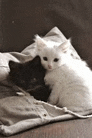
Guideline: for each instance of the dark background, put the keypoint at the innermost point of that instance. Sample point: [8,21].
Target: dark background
[21,20]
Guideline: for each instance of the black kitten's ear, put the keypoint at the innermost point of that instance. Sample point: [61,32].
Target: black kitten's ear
[37,60]
[13,64]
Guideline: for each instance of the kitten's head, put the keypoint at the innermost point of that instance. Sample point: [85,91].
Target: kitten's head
[24,74]
[52,54]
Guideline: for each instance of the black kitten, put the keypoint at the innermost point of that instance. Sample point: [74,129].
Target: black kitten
[30,77]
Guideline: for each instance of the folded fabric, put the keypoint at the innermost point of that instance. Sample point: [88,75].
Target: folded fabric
[19,113]
[22,112]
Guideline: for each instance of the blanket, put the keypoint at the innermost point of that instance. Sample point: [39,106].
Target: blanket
[18,110]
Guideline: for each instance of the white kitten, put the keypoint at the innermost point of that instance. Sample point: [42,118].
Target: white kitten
[70,79]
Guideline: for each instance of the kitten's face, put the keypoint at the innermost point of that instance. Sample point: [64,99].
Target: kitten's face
[24,74]
[52,55]
[50,59]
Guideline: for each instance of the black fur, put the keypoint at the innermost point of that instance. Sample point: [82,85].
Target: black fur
[30,77]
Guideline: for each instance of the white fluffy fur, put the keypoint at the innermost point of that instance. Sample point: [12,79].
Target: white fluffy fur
[70,79]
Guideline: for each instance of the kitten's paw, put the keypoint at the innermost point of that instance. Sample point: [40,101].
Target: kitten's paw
[4,130]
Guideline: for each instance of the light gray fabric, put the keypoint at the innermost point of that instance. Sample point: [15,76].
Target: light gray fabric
[22,112]
[19,113]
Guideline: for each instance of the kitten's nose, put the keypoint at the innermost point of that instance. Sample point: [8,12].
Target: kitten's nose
[49,66]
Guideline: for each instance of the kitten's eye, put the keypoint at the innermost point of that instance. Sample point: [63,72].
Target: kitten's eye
[56,60]
[45,58]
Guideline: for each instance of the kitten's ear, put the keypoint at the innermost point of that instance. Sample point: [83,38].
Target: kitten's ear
[40,42]
[65,45]
[13,65]
[36,60]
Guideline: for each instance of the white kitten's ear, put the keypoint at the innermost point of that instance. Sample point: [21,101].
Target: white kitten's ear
[65,45]
[40,42]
